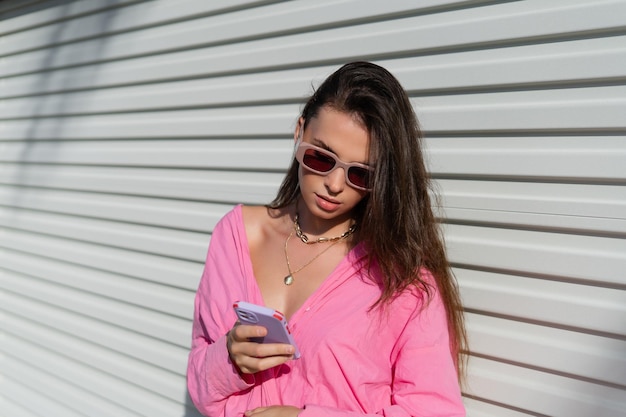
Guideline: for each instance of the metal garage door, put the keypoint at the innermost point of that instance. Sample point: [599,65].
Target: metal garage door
[128,128]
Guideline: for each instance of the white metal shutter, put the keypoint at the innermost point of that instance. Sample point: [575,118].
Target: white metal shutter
[128,128]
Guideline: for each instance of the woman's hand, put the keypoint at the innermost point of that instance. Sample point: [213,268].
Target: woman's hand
[251,357]
[274,411]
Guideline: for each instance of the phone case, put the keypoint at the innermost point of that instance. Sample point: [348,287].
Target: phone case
[274,321]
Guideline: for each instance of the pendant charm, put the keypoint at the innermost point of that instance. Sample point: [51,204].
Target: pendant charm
[288,280]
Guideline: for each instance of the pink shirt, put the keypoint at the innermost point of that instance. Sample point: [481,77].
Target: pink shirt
[355,362]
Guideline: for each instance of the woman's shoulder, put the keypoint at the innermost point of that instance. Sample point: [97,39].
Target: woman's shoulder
[230,219]
[260,221]
[254,218]
[420,295]
[253,214]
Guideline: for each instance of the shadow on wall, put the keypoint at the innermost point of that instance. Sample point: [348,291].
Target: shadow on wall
[39,132]
[42,134]
[40,126]
[190,409]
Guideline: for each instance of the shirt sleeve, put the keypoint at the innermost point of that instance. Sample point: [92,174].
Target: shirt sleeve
[425,382]
[212,379]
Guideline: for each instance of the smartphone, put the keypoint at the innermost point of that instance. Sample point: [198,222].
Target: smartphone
[274,321]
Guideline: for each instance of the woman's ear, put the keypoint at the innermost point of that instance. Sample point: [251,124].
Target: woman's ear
[299,132]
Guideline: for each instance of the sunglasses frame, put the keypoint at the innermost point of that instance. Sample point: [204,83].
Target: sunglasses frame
[303,147]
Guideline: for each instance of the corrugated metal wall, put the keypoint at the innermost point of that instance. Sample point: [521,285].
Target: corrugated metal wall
[129,127]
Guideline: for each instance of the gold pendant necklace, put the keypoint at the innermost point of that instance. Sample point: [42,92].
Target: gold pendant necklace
[288,280]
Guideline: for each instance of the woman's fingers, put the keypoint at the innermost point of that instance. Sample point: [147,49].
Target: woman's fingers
[251,364]
[251,357]
[244,332]
[274,411]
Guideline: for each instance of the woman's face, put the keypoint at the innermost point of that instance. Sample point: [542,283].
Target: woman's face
[330,196]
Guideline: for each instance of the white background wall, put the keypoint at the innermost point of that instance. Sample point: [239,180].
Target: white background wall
[128,128]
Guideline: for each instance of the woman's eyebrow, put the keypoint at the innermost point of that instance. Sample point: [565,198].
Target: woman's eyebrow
[322,144]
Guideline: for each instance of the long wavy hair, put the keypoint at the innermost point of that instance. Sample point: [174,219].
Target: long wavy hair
[395,220]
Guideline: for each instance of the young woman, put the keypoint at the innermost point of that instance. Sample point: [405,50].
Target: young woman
[351,253]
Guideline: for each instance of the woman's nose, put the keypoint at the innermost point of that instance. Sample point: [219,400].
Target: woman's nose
[336,180]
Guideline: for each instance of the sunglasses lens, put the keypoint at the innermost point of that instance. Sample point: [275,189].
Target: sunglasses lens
[318,161]
[359,177]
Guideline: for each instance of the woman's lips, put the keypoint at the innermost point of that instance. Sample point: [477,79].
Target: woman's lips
[327,204]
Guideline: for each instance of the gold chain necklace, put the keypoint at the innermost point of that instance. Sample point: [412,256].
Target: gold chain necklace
[288,280]
[305,239]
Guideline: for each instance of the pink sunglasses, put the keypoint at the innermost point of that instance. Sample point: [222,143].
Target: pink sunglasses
[323,162]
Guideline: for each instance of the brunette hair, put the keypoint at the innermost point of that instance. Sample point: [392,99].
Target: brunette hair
[395,220]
